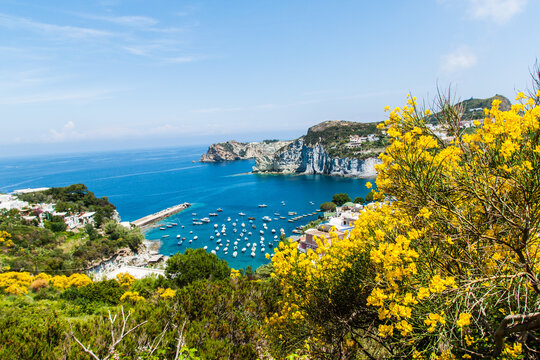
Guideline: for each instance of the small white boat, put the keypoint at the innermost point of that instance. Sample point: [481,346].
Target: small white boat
[205,220]
[266,218]
[178,236]
[206,247]
[244,250]
[213,252]
[195,237]
[191,231]
[165,236]
[234,254]
[241,214]
[228,219]
[262,205]
[262,232]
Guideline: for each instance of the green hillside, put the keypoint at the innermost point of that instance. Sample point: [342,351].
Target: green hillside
[334,136]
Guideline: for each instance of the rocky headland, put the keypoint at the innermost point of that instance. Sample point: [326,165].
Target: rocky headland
[342,148]
[234,150]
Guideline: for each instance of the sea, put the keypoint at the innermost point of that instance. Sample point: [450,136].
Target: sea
[142,182]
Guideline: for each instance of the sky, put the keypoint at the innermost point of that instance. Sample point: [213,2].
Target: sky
[79,76]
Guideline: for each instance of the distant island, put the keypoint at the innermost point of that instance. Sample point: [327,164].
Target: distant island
[335,147]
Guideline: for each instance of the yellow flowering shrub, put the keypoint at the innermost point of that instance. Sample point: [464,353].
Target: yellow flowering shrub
[125,279]
[131,296]
[15,283]
[423,274]
[78,280]
[167,293]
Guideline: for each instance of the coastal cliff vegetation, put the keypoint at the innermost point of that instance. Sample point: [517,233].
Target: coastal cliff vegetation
[51,247]
[445,265]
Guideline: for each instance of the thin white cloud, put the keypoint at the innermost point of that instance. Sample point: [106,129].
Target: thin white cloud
[499,11]
[460,59]
[182,59]
[69,132]
[66,31]
[55,97]
[134,21]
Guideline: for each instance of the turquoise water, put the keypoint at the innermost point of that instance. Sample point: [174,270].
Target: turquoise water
[142,182]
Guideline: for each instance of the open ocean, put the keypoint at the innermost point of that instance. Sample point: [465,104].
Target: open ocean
[142,182]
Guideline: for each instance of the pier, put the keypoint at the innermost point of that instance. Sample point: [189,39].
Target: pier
[149,219]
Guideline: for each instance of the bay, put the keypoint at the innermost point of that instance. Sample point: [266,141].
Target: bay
[142,182]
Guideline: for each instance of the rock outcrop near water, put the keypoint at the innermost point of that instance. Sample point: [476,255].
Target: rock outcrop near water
[325,149]
[300,158]
[234,150]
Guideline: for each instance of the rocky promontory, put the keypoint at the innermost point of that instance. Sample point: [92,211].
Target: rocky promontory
[234,150]
[342,148]
[300,158]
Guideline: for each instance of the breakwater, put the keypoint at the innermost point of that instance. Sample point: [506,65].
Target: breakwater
[150,219]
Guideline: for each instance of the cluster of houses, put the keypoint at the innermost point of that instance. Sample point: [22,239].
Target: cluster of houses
[341,221]
[41,212]
[356,140]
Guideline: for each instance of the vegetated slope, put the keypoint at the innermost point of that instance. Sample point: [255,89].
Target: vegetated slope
[335,136]
[474,108]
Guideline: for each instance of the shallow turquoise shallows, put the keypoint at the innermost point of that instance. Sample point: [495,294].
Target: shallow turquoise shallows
[145,181]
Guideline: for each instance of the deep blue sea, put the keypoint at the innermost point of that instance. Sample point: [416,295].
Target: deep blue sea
[142,182]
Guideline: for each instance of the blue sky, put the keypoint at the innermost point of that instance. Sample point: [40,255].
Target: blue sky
[98,75]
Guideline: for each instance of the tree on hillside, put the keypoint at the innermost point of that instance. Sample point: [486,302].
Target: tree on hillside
[358,200]
[449,268]
[328,206]
[196,264]
[340,199]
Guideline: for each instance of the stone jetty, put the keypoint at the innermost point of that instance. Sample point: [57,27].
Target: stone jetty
[149,219]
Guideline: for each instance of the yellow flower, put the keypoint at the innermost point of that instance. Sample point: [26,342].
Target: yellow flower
[369,185]
[464,320]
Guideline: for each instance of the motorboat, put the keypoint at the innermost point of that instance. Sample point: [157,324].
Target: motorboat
[262,205]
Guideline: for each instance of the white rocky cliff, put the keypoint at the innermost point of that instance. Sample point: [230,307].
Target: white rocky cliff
[301,158]
[234,150]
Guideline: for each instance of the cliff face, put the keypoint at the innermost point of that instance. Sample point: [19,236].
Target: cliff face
[298,157]
[234,150]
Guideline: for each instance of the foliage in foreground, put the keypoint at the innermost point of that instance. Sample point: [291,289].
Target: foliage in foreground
[137,319]
[447,268]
